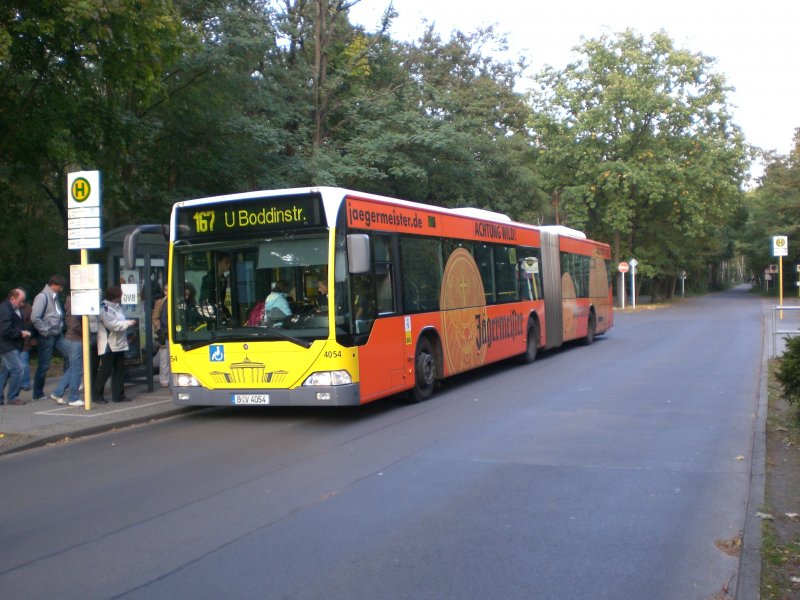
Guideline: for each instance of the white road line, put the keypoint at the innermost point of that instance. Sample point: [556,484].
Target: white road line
[59,412]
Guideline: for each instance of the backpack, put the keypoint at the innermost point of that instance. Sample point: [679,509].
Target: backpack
[256,315]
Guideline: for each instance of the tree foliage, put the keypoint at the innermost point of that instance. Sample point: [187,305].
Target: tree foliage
[637,145]
[773,208]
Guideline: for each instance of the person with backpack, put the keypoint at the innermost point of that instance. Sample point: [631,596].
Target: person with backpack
[47,316]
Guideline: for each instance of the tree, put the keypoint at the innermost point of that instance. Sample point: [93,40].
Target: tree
[637,146]
[774,209]
[439,121]
[75,80]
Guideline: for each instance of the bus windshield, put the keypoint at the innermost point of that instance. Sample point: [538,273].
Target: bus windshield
[268,288]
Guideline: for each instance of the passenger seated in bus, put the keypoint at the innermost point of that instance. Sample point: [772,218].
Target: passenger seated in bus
[322,296]
[276,306]
[215,287]
[193,318]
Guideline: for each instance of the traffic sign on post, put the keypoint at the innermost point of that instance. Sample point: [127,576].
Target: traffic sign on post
[780,245]
[83,210]
[84,233]
[633,263]
[623,267]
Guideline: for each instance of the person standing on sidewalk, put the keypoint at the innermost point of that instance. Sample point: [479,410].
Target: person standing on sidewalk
[47,317]
[160,329]
[112,343]
[12,336]
[73,340]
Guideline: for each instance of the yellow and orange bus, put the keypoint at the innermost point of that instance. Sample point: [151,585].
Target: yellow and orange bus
[326,296]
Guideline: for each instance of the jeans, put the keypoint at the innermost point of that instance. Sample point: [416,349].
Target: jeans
[72,376]
[111,364]
[25,355]
[46,346]
[11,369]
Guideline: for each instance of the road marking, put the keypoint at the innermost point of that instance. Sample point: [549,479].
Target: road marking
[59,412]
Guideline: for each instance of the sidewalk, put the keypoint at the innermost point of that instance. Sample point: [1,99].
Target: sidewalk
[45,422]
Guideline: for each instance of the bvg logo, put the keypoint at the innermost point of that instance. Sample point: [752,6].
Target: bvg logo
[216,353]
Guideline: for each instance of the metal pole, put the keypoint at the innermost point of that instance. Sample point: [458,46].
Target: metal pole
[148,325]
[633,286]
[622,277]
[780,279]
[87,376]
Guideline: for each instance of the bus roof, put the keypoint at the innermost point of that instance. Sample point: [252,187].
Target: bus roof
[334,196]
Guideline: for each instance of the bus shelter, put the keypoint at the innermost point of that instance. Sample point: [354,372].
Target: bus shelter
[148,272]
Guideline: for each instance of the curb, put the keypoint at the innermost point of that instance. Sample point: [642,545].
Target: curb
[748,582]
[95,429]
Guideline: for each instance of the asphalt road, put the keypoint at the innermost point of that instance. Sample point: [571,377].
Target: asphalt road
[606,471]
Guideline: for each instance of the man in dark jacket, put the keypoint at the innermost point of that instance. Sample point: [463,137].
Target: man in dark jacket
[12,336]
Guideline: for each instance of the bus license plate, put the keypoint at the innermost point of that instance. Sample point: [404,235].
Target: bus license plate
[250,398]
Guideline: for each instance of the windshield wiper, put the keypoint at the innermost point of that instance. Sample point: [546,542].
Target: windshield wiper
[216,336]
[304,343]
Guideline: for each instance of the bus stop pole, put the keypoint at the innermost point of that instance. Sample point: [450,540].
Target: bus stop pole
[148,324]
[87,348]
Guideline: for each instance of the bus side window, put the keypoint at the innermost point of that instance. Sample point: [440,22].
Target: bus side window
[530,282]
[382,261]
[421,266]
[505,269]
[483,258]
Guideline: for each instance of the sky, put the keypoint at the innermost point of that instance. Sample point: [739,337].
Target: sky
[754,43]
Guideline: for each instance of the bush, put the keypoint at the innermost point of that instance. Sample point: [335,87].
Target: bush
[789,371]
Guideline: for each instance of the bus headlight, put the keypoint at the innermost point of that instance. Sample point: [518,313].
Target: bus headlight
[184,380]
[328,378]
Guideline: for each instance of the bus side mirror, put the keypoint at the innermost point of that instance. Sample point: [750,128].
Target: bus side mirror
[358,256]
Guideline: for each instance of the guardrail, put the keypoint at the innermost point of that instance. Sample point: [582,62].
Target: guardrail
[776,331]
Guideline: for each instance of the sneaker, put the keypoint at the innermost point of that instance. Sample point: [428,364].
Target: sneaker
[37,398]
[56,399]
[76,403]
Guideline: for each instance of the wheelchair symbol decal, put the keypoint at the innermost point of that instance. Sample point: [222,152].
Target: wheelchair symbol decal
[216,353]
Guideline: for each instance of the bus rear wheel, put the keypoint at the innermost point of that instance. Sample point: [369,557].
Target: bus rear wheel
[591,330]
[424,371]
[532,345]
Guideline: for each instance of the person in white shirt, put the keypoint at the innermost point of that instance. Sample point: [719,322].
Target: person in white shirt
[112,343]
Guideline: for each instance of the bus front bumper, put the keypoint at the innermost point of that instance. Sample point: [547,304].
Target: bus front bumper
[339,395]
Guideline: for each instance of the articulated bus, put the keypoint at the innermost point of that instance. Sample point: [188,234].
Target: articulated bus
[366,296]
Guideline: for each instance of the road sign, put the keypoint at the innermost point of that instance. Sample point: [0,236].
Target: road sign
[633,263]
[83,189]
[780,245]
[623,267]
[83,210]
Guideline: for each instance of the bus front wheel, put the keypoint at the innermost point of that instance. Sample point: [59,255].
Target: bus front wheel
[424,371]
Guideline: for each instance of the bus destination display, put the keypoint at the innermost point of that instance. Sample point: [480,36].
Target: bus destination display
[248,217]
